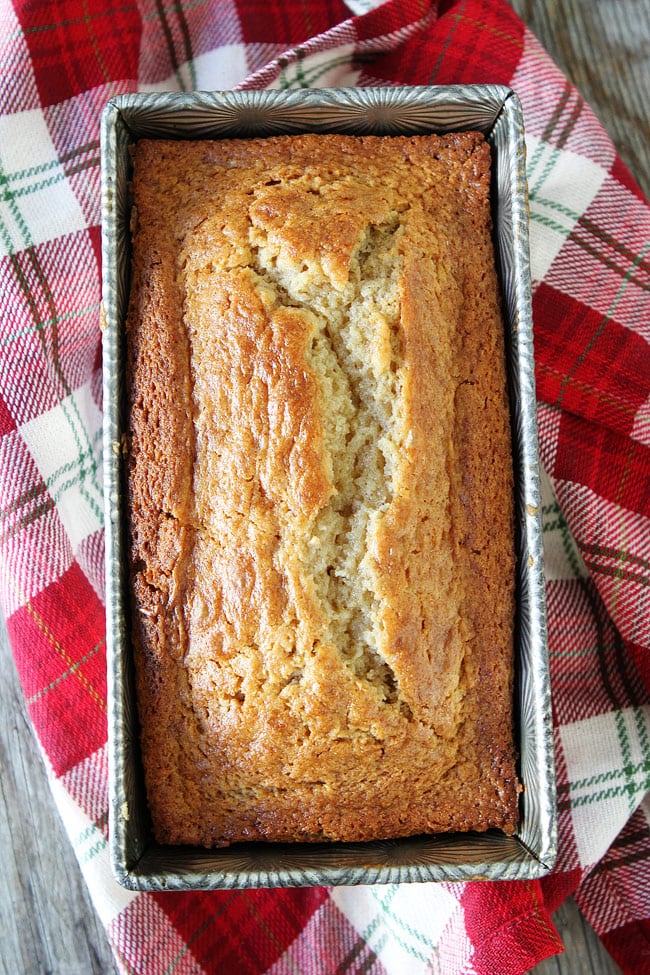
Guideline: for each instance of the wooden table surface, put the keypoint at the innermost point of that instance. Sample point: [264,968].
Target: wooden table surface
[47,922]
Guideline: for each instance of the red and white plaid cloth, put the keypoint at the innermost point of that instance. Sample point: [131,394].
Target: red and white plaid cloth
[590,239]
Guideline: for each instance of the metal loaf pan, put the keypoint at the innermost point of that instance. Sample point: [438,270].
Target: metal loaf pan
[138,862]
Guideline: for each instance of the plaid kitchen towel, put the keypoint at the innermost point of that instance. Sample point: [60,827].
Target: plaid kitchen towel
[590,240]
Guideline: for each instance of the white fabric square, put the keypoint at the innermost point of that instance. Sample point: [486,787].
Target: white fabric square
[605,761]
[323,69]
[65,443]
[561,187]
[38,203]
[562,558]
[25,144]
[91,849]
[171,83]
[393,920]
[222,69]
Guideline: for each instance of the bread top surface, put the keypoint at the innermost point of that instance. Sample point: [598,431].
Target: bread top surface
[320,488]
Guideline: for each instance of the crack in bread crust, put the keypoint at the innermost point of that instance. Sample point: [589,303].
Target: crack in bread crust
[361,435]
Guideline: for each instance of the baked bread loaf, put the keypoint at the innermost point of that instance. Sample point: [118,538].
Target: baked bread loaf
[320,490]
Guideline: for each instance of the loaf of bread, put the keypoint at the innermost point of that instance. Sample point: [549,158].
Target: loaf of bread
[320,490]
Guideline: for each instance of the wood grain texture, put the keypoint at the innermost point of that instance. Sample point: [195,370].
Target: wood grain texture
[47,923]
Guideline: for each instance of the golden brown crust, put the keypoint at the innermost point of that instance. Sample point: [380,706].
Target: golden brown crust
[320,490]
